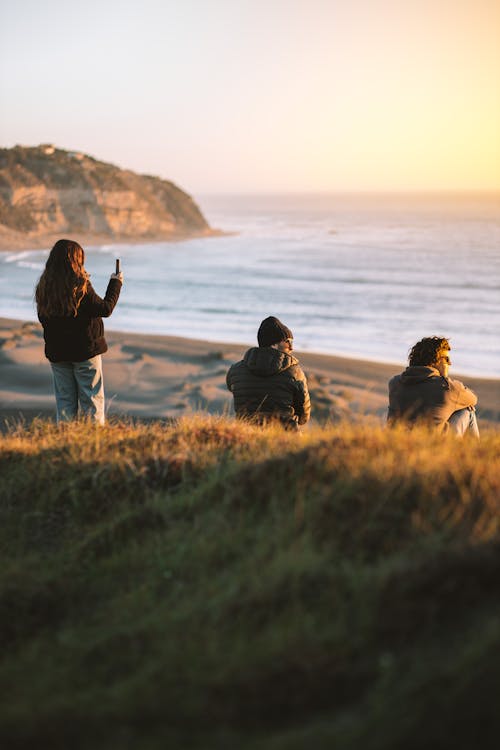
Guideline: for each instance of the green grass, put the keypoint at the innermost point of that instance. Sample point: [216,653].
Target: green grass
[214,585]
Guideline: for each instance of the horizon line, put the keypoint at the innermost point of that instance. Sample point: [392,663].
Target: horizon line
[355,192]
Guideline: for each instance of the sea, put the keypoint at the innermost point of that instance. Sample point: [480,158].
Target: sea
[362,276]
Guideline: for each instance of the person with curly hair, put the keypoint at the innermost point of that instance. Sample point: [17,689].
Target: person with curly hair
[424,392]
[71,315]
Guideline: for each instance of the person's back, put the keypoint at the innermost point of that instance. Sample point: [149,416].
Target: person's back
[80,336]
[268,383]
[71,314]
[424,393]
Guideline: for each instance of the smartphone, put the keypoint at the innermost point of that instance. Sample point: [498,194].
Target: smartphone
[117,266]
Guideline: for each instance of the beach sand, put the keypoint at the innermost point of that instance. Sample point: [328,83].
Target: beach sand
[148,377]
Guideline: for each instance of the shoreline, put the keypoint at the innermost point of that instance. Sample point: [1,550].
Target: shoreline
[154,376]
[11,242]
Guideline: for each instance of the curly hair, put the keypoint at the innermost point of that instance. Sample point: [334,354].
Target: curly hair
[64,282]
[428,350]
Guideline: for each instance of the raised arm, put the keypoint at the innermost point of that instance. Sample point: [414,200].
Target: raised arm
[95,306]
[461,397]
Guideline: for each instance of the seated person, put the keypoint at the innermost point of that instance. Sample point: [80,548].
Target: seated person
[268,383]
[424,392]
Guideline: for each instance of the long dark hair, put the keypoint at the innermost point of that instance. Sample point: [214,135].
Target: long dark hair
[64,282]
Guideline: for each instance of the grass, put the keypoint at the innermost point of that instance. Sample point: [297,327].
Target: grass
[210,584]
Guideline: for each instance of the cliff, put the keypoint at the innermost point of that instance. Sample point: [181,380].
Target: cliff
[47,193]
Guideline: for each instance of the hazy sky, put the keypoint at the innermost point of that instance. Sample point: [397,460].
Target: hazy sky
[261,95]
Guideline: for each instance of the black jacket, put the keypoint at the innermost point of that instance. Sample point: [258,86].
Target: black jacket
[74,339]
[268,384]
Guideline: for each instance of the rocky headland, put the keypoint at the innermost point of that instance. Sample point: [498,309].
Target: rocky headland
[47,193]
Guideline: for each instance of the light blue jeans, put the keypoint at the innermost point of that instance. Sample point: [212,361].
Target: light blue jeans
[79,383]
[464,422]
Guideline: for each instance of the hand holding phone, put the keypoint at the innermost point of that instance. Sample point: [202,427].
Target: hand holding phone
[117,274]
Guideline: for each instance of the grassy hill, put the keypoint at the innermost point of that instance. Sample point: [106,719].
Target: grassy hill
[209,584]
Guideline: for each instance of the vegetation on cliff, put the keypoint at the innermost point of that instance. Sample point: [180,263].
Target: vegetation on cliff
[45,190]
[209,584]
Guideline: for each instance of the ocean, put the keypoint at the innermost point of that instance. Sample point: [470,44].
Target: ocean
[355,275]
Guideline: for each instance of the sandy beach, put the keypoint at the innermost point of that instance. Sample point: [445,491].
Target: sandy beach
[148,376]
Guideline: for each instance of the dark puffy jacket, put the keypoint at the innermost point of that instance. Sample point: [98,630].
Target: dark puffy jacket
[421,393]
[75,339]
[269,384]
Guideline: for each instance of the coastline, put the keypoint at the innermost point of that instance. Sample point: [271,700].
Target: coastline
[151,376]
[16,241]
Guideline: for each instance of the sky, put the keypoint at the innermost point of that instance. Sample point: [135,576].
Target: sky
[247,96]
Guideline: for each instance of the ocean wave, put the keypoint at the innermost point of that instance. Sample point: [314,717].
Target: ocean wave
[372,291]
[29,264]
[21,255]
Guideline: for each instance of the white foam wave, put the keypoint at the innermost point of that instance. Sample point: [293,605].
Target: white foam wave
[19,256]
[29,264]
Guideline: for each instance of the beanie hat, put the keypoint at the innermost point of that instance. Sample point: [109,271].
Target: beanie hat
[272,331]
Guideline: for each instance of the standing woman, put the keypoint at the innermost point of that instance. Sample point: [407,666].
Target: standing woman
[71,315]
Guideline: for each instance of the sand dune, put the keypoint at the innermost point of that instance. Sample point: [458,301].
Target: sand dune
[166,376]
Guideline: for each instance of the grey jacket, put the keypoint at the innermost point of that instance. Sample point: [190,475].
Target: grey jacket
[422,394]
[269,384]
